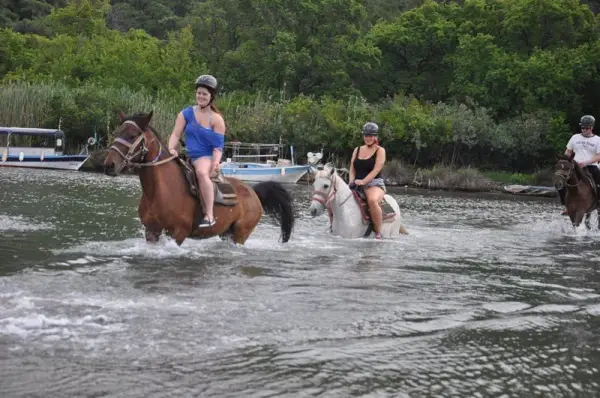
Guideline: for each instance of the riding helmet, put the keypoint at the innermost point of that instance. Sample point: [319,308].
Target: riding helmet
[207,81]
[370,128]
[587,121]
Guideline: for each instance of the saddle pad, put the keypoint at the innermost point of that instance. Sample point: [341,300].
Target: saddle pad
[386,209]
[225,193]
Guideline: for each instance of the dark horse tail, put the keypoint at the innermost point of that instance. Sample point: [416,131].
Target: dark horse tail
[277,201]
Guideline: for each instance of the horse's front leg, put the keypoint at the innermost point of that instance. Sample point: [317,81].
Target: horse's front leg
[152,236]
[152,232]
[576,218]
[587,221]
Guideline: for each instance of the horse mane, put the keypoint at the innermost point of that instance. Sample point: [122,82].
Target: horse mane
[325,171]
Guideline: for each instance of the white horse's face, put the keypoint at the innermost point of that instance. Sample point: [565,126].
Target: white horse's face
[322,191]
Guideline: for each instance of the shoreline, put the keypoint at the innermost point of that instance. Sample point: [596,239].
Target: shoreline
[400,178]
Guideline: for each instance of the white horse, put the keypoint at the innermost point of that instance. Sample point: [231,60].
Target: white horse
[346,215]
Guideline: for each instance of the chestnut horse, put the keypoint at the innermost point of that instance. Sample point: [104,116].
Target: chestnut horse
[580,189]
[170,199]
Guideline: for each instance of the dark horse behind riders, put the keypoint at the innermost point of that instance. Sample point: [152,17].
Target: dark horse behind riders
[576,188]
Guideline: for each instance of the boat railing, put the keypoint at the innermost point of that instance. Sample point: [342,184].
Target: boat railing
[31,151]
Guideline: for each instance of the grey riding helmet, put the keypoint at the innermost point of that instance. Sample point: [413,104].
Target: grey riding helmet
[370,129]
[587,121]
[209,82]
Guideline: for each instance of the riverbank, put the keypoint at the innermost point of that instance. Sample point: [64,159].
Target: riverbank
[400,174]
[467,179]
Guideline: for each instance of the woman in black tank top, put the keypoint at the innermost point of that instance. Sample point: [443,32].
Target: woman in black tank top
[365,171]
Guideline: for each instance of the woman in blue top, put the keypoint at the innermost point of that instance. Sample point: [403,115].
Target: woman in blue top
[365,171]
[204,129]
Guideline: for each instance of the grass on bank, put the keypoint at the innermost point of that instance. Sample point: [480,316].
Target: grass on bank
[462,179]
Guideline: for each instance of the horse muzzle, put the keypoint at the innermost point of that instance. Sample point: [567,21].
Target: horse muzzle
[314,210]
[112,169]
[559,181]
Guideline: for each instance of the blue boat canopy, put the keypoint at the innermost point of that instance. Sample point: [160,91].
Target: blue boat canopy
[32,131]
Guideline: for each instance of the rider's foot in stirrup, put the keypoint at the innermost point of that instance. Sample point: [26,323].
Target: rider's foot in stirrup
[206,223]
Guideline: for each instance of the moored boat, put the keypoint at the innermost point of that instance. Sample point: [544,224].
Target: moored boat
[18,149]
[253,162]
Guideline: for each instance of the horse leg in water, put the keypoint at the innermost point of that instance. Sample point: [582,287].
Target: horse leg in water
[587,221]
[151,236]
[577,218]
[152,231]
[244,226]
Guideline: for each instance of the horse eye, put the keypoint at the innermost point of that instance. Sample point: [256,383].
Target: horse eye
[326,186]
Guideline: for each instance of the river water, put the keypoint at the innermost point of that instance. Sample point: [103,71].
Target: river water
[487,297]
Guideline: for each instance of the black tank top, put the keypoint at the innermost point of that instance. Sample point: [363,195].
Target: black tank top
[362,167]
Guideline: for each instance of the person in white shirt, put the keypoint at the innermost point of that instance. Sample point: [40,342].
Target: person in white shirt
[586,146]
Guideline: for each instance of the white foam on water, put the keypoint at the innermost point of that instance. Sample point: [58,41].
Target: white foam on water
[37,324]
[22,224]
[505,307]
[593,309]
[27,316]
[553,308]
[138,247]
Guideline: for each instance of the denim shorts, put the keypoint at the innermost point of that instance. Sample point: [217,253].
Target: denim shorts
[193,159]
[376,182]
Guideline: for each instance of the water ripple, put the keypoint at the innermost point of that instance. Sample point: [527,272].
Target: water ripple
[487,296]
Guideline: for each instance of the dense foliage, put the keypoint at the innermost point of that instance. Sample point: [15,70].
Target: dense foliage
[488,83]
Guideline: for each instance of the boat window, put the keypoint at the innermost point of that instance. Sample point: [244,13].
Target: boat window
[3,140]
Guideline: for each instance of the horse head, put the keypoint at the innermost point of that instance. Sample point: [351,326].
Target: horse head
[323,189]
[130,145]
[564,169]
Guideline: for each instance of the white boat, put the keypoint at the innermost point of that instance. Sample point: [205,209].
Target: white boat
[253,162]
[37,148]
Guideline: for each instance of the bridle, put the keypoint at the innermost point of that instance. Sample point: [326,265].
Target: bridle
[564,175]
[138,147]
[326,198]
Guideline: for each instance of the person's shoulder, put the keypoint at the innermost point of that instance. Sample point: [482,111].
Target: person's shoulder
[218,116]
[380,148]
[186,110]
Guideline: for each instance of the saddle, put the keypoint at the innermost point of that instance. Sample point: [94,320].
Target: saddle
[386,209]
[590,180]
[225,194]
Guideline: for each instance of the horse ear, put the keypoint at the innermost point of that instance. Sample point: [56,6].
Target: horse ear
[150,115]
[331,171]
[572,156]
[122,116]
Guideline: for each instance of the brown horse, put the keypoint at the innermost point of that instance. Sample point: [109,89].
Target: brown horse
[170,199]
[579,189]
